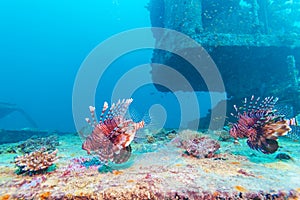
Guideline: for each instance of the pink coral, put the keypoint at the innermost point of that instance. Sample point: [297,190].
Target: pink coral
[201,147]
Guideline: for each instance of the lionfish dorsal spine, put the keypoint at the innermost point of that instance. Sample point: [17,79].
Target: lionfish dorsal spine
[254,105]
[122,107]
[245,104]
[88,121]
[237,112]
[264,104]
[250,106]
[105,107]
[236,109]
[110,112]
[92,122]
[271,103]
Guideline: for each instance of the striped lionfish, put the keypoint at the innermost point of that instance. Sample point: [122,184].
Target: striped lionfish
[258,121]
[112,135]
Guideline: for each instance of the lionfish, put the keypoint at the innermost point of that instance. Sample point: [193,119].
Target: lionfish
[112,135]
[258,121]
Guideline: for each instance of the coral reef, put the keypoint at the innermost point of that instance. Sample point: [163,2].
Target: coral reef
[12,136]
[162,135]
[111,137]
[150,138]
[196,145]
[35,162]
[155,136]
[223,135]
[202,147]
[162,174]
[91,162]
[35,143]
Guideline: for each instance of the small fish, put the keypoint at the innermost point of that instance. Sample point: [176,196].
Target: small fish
[112,135]
[261,124]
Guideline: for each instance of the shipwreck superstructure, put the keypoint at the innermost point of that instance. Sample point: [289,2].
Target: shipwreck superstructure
[254,43]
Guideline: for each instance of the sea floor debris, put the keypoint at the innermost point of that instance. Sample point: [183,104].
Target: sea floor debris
[166,173]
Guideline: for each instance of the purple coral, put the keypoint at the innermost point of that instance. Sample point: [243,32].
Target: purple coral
[201,147]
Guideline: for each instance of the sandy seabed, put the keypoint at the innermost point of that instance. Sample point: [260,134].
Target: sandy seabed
[236,172]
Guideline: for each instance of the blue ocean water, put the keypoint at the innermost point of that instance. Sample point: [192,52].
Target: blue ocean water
[42,46]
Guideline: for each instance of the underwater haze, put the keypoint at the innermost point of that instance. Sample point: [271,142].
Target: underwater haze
[42,45]
[150,99]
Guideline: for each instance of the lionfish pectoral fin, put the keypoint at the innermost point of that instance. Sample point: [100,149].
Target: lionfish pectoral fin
[266,146]
[269,146]
[253,145]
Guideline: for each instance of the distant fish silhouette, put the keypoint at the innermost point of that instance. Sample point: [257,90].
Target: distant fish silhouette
[7,108]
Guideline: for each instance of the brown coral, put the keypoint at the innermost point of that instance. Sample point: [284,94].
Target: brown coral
[196,144]
[201,147]
[36,161]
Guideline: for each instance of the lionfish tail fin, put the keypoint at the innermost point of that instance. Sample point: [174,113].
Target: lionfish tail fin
[294,123]
[92,122]
[294,134]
